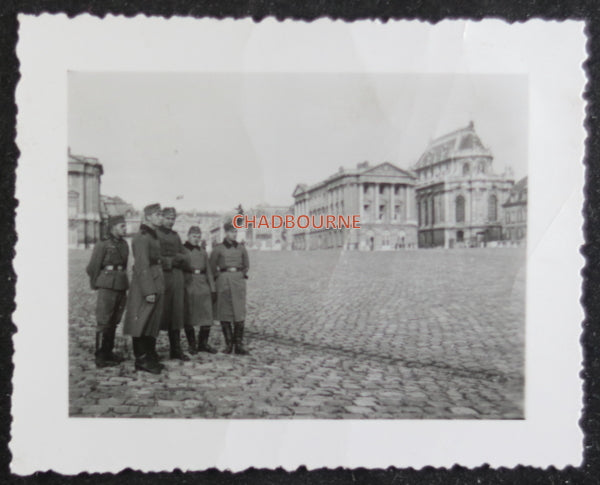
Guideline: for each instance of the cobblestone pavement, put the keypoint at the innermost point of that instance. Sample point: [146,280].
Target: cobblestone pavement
[427,334]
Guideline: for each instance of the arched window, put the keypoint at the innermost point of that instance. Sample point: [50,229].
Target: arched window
[492,208]
[460,209]
[466,169]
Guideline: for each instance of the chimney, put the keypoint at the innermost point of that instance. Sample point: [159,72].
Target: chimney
[361,165]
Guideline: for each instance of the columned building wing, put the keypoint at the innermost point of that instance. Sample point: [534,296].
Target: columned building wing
[383,198]
[458,196]
[84,200]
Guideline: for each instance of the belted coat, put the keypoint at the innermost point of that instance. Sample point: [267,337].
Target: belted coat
[231,285]
[174,260]
[199,286]
[143,318]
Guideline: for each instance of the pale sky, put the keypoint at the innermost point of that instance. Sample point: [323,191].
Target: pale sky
[228,138]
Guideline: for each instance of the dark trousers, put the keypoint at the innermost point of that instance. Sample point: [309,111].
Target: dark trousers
[110,306]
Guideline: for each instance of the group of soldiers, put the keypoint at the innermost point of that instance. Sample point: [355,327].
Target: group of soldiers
[174,287]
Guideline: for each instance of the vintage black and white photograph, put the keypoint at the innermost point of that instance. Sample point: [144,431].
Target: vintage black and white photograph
[415,311]
[322,244]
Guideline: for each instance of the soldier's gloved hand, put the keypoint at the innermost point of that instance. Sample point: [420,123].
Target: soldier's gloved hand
[178,260]
[151,298]
[213,296]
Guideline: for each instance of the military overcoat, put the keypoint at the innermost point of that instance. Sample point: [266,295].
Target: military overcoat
[199,286]
[174,261]
[231,285]
[143,318]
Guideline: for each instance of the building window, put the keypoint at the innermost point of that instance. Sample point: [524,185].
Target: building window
[493,208]
[460,209]
[426,211]
[460,236]
[466,169]
[397,211]
[73,203]
[381,212]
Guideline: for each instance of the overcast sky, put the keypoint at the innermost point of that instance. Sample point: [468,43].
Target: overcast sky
[223,139]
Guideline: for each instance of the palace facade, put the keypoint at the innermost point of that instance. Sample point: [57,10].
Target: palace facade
[459,196]
[382,195]
[452,197]
[84,200]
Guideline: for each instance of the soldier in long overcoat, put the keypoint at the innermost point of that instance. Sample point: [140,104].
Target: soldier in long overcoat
[144,307]
[200,291]
[107,270]
[230,264]
[174,261]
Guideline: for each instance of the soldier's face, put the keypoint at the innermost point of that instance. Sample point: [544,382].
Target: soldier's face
[231,234]
[120,230]
[168,221]
[155,219]
[194,239]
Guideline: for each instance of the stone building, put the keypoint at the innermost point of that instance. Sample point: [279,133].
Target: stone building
[267,239]
[458,195]
[84,200]
[383,197]
[515,213]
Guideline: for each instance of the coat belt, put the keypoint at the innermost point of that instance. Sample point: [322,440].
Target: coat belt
[113,267]
[232,269]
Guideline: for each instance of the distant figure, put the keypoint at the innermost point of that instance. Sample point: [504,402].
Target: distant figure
[200,292]
[144,307]
[229,263]
[174,261]
[107,270]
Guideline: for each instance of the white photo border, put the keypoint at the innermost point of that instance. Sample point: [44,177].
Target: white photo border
[550,53]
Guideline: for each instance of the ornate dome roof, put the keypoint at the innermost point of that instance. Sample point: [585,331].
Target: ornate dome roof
[460,143]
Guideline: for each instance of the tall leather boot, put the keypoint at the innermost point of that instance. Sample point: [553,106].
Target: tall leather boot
[203,345]
[108,344]
[175,344]
[238,338]
[143,358]
[228,334]
[190,334]
[149,345]
[102,358]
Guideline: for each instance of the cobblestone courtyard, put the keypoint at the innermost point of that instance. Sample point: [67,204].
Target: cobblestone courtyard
[428,334]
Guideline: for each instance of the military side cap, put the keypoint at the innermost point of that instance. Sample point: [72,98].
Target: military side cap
[169,211]
[194,230]
[228,226]
[151,209]
[114,220]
